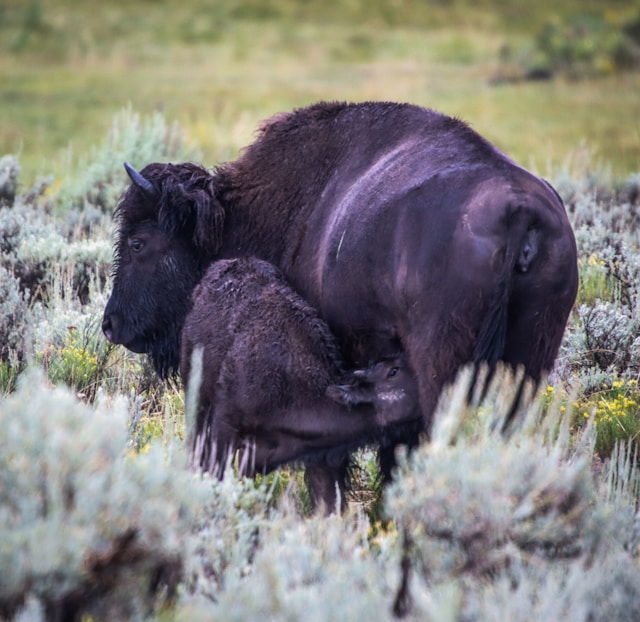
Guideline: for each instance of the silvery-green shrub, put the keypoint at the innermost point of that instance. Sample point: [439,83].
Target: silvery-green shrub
[34,250]
[9,174]
[602,341]
[14,317]
[98,179]
[318,569]
[227,537]
[46,253]
[515,526]
[86,528]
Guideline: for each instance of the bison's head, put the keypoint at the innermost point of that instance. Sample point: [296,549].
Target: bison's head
[169,230]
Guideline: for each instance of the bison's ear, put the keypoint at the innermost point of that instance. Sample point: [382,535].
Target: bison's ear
[193,207]
[353,394]
[209,219]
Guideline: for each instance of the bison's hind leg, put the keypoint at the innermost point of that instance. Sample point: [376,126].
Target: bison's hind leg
[408,434]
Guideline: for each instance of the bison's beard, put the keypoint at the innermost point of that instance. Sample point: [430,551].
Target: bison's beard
[160,343]
[164,352]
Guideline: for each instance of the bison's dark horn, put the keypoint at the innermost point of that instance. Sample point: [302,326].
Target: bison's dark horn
[140,181]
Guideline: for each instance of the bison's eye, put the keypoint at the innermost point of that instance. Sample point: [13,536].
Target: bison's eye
[136,244]
[392,372]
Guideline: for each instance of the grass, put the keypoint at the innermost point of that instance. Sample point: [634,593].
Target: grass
[220,68]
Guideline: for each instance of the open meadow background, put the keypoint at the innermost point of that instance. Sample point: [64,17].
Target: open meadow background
[100,520]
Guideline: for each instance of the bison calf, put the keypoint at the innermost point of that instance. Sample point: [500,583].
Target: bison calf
[272,383]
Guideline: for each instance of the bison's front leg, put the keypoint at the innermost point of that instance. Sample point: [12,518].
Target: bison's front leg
[327,486]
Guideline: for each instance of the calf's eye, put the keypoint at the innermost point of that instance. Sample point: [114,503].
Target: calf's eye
[392,372]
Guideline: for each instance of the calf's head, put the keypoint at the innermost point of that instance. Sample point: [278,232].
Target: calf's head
[169,228]
[389,386]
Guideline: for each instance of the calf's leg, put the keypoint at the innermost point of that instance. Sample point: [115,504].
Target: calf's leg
[327,486]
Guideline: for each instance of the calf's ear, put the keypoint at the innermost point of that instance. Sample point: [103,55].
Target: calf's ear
[353,394]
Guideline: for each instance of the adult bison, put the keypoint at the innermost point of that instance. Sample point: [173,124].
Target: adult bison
[272,382]
[402,226]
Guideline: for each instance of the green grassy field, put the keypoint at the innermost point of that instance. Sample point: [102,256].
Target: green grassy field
[218,68]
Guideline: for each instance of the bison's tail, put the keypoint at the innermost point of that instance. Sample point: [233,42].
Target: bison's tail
[520,251]
[493,332]
[490,347]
